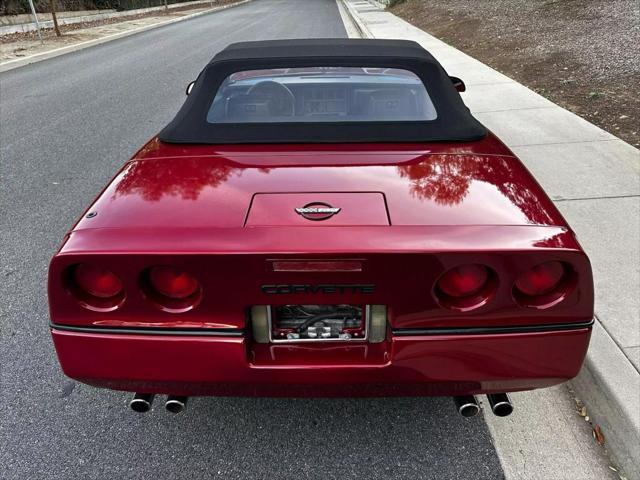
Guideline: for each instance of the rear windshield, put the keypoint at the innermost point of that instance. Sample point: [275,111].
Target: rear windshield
[322,94]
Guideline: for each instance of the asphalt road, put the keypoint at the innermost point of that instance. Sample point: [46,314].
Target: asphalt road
[66,125]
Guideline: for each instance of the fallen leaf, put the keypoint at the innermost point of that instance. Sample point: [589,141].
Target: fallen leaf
[582,411]
[597,434]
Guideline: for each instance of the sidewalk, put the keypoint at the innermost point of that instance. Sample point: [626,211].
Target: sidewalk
[594,179]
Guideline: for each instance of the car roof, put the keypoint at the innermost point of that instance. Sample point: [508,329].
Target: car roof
[323,48]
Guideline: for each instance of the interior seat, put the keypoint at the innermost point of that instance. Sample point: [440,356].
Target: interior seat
[389,103]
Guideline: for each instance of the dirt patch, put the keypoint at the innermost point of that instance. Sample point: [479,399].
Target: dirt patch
[581,54]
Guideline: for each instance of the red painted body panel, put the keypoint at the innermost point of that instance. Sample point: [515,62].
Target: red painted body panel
[421,366]
[410,212]
[169,186]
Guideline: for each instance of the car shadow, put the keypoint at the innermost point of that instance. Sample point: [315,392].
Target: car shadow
[329,438]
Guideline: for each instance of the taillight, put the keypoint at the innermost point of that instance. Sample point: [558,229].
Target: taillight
[96,288]
[541,279]
[171,289]
[97,281]
[172,282]
[464,280]
[544,285]
[465,287]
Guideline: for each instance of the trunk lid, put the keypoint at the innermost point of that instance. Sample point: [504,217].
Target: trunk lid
[188,187]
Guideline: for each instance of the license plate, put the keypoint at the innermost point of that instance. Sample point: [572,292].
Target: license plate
[318,323]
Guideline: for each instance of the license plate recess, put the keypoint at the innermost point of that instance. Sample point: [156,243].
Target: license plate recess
[318,323]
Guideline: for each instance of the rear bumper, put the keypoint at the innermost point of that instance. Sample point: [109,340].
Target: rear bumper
[407,364]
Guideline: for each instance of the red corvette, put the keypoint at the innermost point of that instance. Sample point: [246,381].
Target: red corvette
[322,218]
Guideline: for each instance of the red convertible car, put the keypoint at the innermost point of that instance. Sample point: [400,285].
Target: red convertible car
[322,218]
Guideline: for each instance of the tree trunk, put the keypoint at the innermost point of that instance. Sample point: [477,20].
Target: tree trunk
[55,18]
[166,7]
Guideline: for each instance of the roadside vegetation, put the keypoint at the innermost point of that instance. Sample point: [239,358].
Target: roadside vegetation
[15,7]
[16,45]
[581,54]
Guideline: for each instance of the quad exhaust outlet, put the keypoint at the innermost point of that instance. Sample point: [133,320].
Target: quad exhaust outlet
[141,402]
[500,403]
[175,404]
[467,405]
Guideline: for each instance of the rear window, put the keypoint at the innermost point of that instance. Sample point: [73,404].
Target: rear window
[322,94]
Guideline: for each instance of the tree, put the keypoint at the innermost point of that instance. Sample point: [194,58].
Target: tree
[52,4]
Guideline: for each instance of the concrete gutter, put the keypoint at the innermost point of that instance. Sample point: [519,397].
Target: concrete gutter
[69,18]
[21,62]
[594,179]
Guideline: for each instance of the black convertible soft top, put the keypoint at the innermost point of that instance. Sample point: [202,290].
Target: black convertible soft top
[454,122]
[333,48]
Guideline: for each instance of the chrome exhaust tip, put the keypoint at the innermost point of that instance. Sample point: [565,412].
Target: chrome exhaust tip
[141,402]
[175,404]
[500,403]
[467,405]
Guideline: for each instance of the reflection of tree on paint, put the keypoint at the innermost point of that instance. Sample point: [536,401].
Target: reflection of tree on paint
[446,179]
[447,183]
[184,177]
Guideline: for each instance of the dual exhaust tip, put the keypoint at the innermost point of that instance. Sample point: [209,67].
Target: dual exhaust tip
[500,404]
[141,403]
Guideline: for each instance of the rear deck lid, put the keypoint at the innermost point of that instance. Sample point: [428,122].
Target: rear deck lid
[374,185]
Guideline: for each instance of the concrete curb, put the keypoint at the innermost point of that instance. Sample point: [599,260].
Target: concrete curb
[356,20]
[608,384]
[21,62]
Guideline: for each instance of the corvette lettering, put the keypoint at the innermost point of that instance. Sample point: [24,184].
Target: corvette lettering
[314,289]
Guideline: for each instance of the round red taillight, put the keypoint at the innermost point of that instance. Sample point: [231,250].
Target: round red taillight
[545,285]
[541,279]
[172,282]
[95,288]
[466,287]
[170,289]
[464,280]
[97,281]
